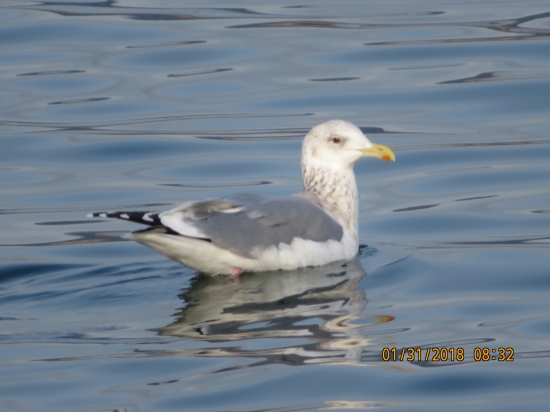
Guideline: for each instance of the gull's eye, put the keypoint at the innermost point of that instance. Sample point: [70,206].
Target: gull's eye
[336,140]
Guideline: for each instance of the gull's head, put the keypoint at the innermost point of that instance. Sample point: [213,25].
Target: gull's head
[340,144]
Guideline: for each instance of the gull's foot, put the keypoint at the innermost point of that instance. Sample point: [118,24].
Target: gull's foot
[236,272]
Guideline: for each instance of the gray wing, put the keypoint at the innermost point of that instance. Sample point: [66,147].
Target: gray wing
[242,222]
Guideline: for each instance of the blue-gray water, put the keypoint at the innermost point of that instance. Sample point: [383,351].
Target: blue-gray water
[143,105]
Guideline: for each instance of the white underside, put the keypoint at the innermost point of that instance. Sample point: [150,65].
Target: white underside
[204,257]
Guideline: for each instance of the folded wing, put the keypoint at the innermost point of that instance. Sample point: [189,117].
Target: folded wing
[245,222]
[242,223]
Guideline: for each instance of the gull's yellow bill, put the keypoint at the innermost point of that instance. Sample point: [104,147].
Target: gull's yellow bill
[379,151]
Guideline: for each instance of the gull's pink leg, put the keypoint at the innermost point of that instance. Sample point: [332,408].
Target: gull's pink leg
[236,272]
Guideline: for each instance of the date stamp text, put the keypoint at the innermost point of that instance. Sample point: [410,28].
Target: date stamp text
[444,354]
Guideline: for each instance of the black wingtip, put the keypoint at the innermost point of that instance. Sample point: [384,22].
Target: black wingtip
[145,218]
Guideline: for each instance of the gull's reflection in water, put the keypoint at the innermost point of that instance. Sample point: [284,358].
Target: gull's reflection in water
[310,315]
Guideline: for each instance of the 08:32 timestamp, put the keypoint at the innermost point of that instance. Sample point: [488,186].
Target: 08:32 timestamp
[446,354]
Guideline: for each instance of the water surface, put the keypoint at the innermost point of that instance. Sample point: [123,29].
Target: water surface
[132,105]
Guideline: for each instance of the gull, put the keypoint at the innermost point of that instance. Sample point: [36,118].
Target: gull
[249,233]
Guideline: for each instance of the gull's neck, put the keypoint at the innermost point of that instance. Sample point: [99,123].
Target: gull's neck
[335,190]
